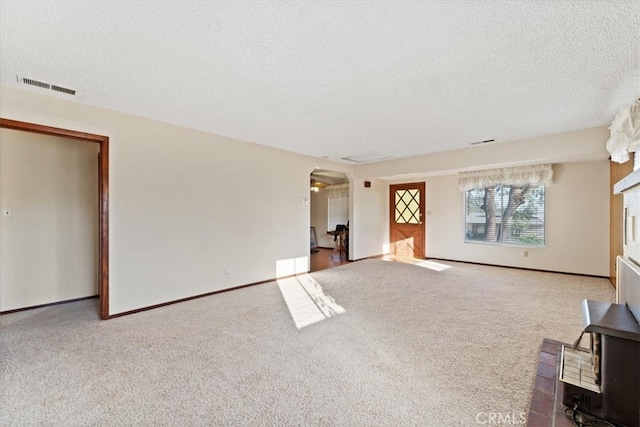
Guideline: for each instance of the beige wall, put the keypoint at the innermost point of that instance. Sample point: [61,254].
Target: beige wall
[186,205]
[576,220]
[48,250]
[580,145]
[577,210]
[577,203]
[369,228]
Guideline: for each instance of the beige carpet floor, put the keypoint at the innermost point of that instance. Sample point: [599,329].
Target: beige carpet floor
[414,347]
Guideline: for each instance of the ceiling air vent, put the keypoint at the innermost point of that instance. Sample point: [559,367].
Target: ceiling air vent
[36,83]
[43,85]
[63,90]
[369,157]
[486,141]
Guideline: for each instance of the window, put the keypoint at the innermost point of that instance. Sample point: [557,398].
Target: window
[407,207]
[338,212]
[509,214]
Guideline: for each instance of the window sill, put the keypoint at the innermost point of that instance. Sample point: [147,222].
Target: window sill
[512,245]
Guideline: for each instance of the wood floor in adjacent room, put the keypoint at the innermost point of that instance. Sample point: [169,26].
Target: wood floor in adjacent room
[326,258]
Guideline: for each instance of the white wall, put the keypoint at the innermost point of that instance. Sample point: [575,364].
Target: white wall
[48,249]
[632,228]
[185,205]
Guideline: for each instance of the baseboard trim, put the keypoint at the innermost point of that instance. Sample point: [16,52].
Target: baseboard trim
[235,288]
[33,307]
[370,257]
[519,268]
[151,307]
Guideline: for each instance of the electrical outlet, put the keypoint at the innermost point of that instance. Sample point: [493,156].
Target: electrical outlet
[526,253]
[227,271]
[6,212]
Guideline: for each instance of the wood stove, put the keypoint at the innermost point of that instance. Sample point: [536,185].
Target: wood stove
[603,380]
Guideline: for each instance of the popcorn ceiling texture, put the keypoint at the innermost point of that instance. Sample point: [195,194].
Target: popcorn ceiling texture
[337,79]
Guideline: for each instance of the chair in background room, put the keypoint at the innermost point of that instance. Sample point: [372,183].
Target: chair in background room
[341,241]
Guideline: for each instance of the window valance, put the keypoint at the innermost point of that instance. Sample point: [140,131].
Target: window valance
[625,133]
[521,175]
[337,191]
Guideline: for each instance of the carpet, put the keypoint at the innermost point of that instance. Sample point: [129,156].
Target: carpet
[413,346]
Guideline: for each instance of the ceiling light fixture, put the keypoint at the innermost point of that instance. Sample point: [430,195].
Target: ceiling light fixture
[316,186]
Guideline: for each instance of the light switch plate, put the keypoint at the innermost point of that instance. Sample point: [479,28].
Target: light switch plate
[6,212]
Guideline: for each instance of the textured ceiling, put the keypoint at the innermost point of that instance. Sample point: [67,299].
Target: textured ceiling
[337,79]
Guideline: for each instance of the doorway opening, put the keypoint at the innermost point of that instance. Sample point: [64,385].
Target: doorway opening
[330,212]
[103,195]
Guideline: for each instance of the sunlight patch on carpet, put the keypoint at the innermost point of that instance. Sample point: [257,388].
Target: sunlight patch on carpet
[431,265]
[306,300]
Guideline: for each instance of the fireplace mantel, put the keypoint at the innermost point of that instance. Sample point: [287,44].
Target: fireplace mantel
[627,182]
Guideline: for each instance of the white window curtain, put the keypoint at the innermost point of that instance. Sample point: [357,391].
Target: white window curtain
[521,175]
[625,133]
[337,191]
[338,213]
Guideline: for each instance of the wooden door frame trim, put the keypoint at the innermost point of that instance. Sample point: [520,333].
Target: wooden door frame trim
[103,197]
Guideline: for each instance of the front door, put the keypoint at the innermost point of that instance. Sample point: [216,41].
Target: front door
[406,202]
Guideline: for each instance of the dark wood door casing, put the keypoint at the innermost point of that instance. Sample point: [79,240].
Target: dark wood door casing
[617,171]
[103,195]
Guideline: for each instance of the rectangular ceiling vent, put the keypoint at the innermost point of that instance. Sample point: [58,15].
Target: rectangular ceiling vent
[36,83]
[486,141]
[63,90]
[365,158]
[43,85]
